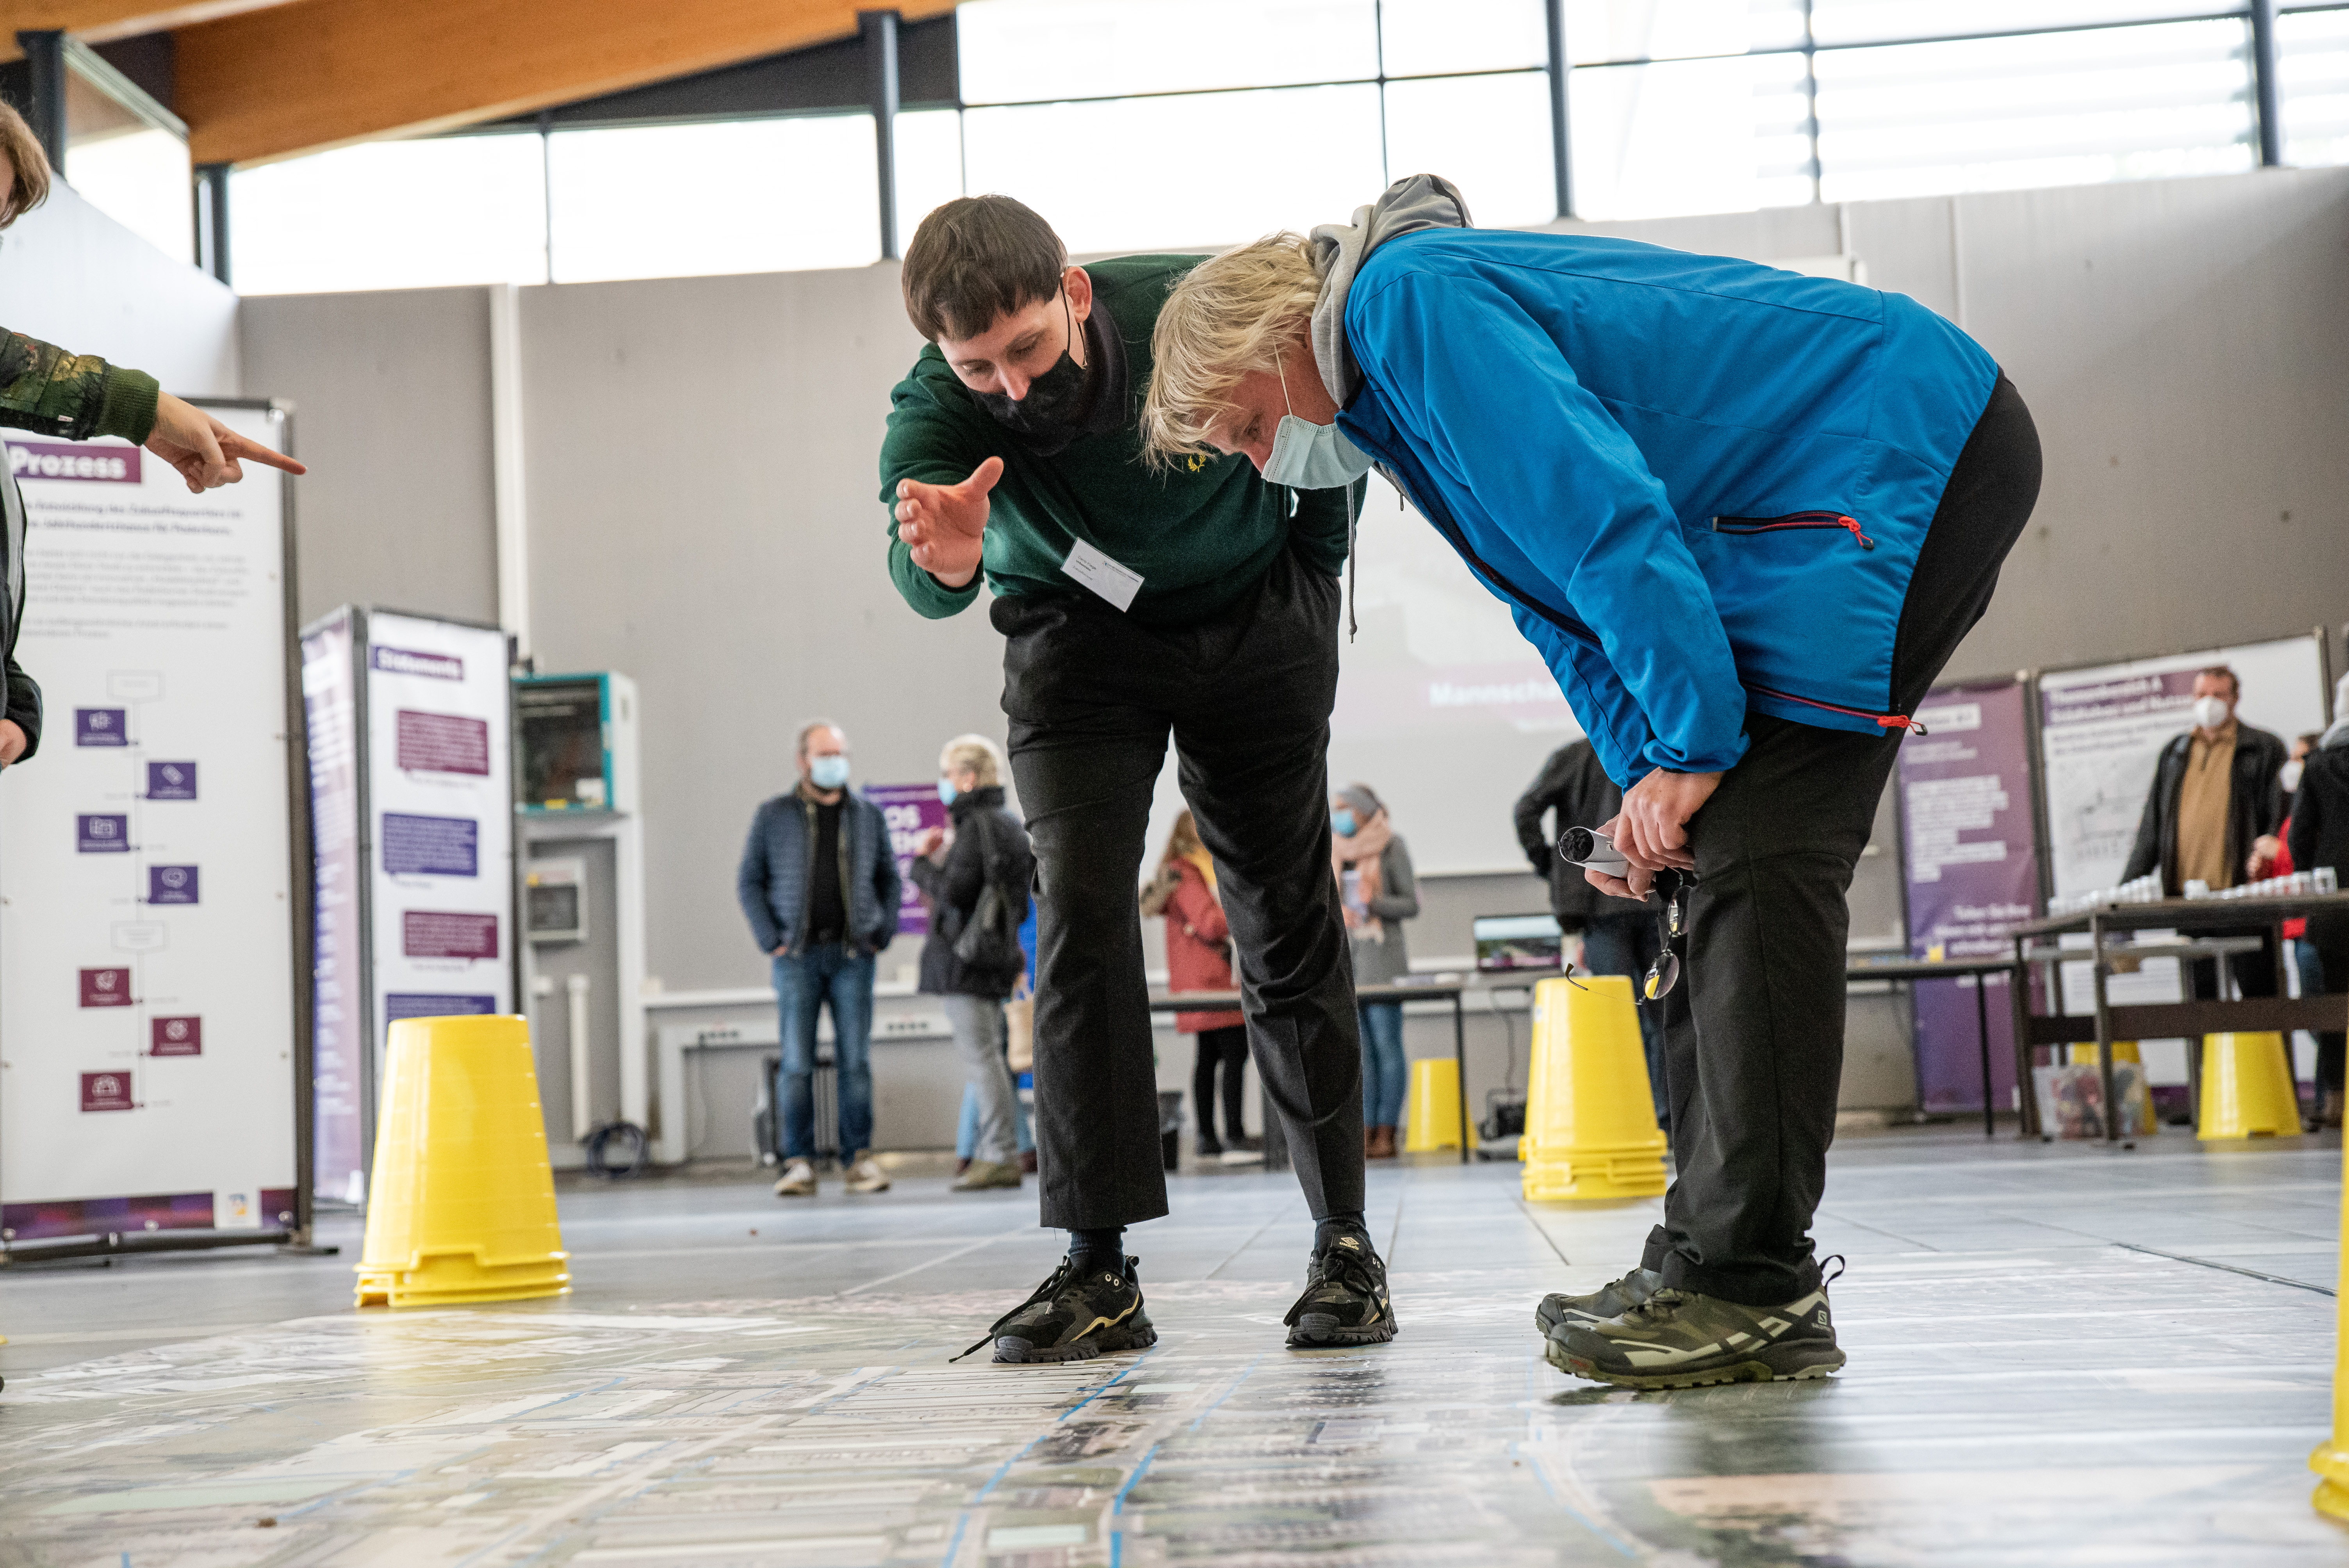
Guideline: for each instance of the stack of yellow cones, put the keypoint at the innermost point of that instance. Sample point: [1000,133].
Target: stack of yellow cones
[2247,1087]
[462,1207]
[1590,1120]
[1431,1119]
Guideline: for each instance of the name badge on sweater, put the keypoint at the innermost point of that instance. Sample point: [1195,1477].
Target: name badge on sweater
[1111,580]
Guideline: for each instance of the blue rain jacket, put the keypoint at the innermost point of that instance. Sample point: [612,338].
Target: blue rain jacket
[1701,484]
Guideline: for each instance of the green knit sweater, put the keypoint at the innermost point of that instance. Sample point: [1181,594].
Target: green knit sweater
[1201,535]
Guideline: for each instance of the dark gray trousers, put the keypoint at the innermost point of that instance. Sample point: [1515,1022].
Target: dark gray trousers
[1093,697]
[1754,1033]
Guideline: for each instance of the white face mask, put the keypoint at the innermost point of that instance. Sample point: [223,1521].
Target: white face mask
[2290,775]
[2210,712]
[1310,457]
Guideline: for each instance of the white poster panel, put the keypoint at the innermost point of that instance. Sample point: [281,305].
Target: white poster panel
[2101,735]
[440,796]
[146,1001]
[2102,731]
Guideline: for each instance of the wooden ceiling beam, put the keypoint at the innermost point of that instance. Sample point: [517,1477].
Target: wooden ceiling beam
[103,21]
[322,73]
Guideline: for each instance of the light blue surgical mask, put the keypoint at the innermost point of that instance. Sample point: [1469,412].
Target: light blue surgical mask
[946,792]
[1343,820]
[1310,457]
[828,772]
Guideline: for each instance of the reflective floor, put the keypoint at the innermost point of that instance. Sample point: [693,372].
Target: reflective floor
[2058,1356]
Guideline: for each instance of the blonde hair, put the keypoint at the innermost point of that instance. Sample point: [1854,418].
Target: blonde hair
[978,753]
[1232,315]
[23,150]
[1181,839]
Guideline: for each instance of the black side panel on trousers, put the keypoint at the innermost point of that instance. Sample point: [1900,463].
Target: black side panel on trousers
[1753,1034]
[1093,697]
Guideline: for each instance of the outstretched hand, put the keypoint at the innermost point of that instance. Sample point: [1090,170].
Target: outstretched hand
[945,526]
[207,453]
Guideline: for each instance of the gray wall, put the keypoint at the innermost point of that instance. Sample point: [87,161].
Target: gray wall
[73,276]
[704,516]
[391,395]
[702,513]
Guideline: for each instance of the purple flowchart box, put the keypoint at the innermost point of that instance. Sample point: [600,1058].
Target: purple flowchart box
[436,933]
[101,834]
[182,1036]
[430,846]
[398,1004]
[101,726]
[170,884]
[106,1091]
[105,987]
[171,780]
[74,460]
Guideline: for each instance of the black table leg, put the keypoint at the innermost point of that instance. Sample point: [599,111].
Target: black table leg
[1981,1024]
[1460,1056]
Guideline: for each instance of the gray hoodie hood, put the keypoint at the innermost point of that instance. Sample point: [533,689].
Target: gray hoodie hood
[2338,735]
[1414,203]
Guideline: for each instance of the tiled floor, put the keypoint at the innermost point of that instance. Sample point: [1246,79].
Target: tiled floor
[2059,1355]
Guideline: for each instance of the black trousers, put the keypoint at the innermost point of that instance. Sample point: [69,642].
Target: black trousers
[1227,1048]
[2329,934]
[1093,697]
[1754,1033]
[2254,973]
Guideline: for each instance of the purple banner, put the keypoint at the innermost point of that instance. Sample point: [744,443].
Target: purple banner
[398,1004]
[910,812]
[1971,866]
[74,460]
[409,661]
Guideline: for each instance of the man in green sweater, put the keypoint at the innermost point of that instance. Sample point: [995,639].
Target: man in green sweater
[1200,603]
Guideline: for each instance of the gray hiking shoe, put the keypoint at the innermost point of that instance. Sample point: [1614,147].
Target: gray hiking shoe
[1677,1339]
[1608,1301]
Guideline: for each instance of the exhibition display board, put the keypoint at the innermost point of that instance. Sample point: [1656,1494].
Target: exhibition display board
[151,929]
[1970,866]
[2102,729]
[411,792]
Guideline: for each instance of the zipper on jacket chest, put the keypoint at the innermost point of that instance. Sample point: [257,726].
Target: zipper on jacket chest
[1793,520]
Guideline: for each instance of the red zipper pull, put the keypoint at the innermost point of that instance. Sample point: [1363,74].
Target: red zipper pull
[1899,721]
[1853,523]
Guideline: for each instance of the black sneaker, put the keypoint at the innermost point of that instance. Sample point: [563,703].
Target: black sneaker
[1677,1339]
[1609,1301]
[1074,1317]
[1345,1300]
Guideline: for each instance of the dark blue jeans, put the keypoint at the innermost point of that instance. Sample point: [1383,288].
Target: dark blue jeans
[1385,1074]
[1618,944]
[804,982]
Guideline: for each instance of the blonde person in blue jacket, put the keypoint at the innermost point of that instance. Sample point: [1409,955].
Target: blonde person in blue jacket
[1746,517]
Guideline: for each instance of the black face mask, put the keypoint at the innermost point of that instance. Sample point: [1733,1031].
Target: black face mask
[1049,416]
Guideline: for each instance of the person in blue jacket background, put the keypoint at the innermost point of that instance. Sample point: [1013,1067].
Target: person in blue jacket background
[1746,516]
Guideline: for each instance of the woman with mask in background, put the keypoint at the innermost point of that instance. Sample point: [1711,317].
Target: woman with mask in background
[1199,958]
[1379,893]
[988,849]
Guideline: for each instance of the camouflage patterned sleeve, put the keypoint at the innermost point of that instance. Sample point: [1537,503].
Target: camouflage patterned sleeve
[76,396]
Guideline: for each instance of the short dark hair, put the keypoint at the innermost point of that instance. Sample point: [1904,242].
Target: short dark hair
[2220,672]
[975,259]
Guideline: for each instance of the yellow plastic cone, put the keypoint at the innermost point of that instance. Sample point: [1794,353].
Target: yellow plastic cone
[1590,1122]
[1432,1120]
[2330,1460]
[2123,1051]
[462,1205]
[2247,1087]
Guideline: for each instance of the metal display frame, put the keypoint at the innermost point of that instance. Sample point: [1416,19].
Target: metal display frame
[294,1239]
